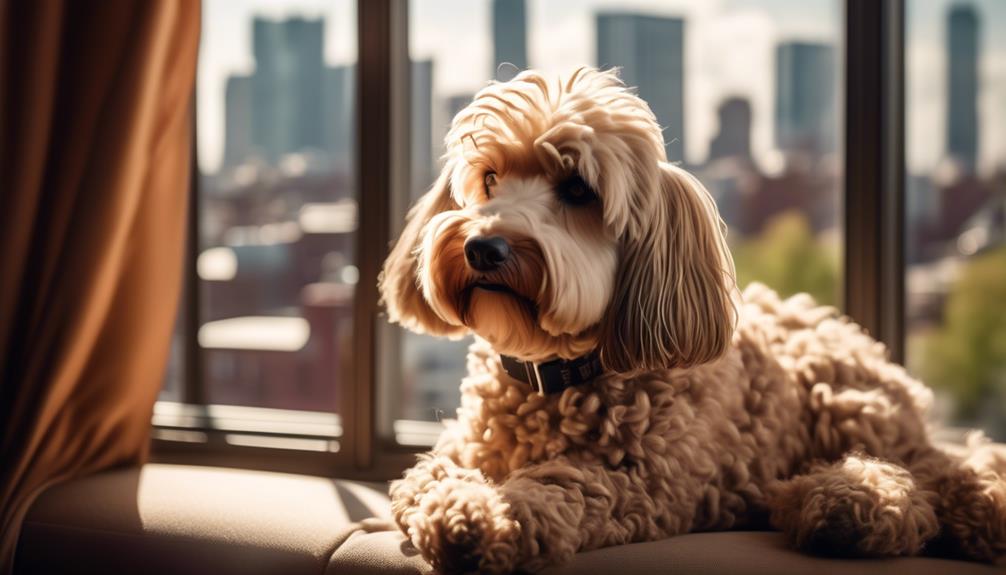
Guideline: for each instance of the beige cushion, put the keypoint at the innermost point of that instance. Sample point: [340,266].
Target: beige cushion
[730,553]
[180,519]
[748,553]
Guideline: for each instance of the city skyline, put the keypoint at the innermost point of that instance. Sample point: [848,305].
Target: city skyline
[275,109]
[279,244]
[738,19]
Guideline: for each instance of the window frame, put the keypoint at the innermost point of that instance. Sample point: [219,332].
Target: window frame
[875,168]
[873,284]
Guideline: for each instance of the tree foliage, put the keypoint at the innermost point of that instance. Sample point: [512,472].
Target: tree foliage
[966,355]
[788,258]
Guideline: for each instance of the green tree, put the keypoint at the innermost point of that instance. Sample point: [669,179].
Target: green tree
[788,258]
[966,356]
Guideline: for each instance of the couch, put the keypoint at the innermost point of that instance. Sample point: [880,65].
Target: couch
[162,519]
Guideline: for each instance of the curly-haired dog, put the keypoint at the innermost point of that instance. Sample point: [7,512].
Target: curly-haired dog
[558,231]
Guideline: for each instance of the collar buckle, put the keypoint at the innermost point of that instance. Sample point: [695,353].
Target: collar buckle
[534,377]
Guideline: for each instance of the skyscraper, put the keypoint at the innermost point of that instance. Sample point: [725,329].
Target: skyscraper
[339,120]
[962,85]
[237,120]
[456,103]
[509,37]
[805,97]
[650,51]
[287,85]
[734,137]
[422,126]
[292,102]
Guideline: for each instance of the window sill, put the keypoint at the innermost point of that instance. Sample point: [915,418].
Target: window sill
[277,440]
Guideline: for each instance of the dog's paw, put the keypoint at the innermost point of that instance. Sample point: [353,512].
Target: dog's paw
[974,515]
[462,526]
[855,507]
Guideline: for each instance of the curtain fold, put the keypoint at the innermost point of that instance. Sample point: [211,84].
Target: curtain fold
[95,151]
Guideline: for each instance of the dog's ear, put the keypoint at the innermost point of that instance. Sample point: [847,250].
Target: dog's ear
[399,280]
[673,305]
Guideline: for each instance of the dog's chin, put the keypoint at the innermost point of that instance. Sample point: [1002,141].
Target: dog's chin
[502,317]
[509,322]
[505,319]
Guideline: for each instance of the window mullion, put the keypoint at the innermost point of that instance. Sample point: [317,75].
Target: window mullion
[382,55]
[874,168]
[194,390]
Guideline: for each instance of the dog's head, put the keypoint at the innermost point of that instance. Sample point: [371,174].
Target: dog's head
[557,227]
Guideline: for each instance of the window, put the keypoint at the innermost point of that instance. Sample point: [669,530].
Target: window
[277,206]
[282,359]
[748,94]
[274,227]
[956,207]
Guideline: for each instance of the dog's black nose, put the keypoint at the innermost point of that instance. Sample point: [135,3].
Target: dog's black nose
[486,254]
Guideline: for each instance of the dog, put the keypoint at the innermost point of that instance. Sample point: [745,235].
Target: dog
[620,388]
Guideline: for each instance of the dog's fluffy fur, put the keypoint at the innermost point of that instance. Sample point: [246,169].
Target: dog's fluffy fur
[715,410]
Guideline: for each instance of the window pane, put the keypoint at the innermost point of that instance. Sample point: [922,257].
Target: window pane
[277,212]
[747,91]
[174,372]
[956,206]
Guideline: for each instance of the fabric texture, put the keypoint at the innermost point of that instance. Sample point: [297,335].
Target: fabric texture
[167,519]
[95,150]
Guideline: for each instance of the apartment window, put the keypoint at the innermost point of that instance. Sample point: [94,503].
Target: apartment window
[748,94]
[266,340]
[955,232]
[795,115]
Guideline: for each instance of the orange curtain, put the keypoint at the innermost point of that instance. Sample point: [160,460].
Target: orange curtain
[95,149]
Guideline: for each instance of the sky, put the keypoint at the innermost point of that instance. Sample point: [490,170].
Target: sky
[729,51]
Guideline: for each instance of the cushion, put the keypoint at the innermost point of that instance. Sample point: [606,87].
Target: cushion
[187,519]
[183,519]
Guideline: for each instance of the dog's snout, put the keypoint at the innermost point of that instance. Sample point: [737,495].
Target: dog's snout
[485,254]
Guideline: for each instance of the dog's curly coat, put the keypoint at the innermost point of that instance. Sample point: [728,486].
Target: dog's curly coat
[715,411]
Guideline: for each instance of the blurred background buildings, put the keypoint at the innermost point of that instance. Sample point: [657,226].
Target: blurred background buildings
[278,214]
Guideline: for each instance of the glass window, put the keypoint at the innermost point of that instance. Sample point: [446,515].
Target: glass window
[956,207]
[748,93]
[277,200]
[421,375]
[174,372]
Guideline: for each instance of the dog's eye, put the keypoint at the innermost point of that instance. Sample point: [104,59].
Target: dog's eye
[575,191]
[490,181]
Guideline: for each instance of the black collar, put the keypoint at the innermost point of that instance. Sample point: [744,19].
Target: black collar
[555,375]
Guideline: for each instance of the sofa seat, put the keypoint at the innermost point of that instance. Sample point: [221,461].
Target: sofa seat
[182,519]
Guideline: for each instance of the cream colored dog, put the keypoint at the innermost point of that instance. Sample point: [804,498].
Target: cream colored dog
[619,389]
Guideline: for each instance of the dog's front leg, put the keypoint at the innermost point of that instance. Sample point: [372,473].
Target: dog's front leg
[540,515]
[564,507]
[455,517]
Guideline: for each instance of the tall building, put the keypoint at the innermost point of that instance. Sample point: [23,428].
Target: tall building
[237,120]
[962,86]
[805,97]
[339,123]
[734,137]
[509,38]
[421,137]
[292,102]
[650,51]
[456,103]
[287,85]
